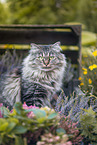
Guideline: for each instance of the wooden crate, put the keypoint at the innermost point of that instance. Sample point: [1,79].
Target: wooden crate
[68,35]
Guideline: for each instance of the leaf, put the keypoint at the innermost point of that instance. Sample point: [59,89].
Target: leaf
[12,123]
[3,126]
[90,112]
[53,115]
[39,113]
[11,126]
[61,131]
[4,111]
[20,129]
[18,107]
[41,120]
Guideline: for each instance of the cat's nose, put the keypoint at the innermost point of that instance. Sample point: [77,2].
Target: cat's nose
[46,62]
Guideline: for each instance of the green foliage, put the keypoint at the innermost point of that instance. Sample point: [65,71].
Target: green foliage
[88,38]
[89,76]
[72,108]
[4,14]
[42,12]
[49,12]
[16,125]
[88,123]
[87,14]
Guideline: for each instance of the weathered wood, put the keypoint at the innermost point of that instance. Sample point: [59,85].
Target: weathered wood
[42,34]
[73,55]
[39,37]
[75,28]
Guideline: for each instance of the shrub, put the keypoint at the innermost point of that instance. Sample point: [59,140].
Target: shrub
[73,106]
[88,123]
[71,128]
[24,125]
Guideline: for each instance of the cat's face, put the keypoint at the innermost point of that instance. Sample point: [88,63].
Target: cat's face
[46,57]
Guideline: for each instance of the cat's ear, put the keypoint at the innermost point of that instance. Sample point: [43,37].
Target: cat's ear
[34,47]
[56,46]
[57,43]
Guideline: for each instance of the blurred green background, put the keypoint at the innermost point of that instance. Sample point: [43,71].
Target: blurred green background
[49,12]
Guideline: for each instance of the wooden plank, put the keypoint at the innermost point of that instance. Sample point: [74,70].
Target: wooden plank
[75,28]
[37,36]
[72,54]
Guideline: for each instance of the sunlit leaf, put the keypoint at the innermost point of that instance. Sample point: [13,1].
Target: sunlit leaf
[39,113]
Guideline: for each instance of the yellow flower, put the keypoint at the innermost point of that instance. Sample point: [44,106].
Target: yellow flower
[81,84]
[90,81]
[91,67]
[95,53]
[84,71]
[80,78]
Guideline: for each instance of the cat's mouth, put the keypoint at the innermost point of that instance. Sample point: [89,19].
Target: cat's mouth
[47,68]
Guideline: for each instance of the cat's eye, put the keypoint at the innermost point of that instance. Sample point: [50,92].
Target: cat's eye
[41,57]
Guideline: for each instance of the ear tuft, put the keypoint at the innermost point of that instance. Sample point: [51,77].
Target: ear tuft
[33,45]
[57,43]
[57,47]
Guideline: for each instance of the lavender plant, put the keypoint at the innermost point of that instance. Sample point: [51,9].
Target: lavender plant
[72,106]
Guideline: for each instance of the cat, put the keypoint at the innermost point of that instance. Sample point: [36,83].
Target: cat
[41,76]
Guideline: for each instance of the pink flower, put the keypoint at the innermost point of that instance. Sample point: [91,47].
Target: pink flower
[29,107]
[25,106]
[1,104]
[30,114]
[69,143]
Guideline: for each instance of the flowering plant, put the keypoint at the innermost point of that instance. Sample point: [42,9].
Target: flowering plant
[88,77]
[24,125]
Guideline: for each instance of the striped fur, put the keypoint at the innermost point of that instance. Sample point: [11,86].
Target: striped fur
[42,73]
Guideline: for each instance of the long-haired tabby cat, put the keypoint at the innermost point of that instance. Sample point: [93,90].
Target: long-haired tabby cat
[41,76]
